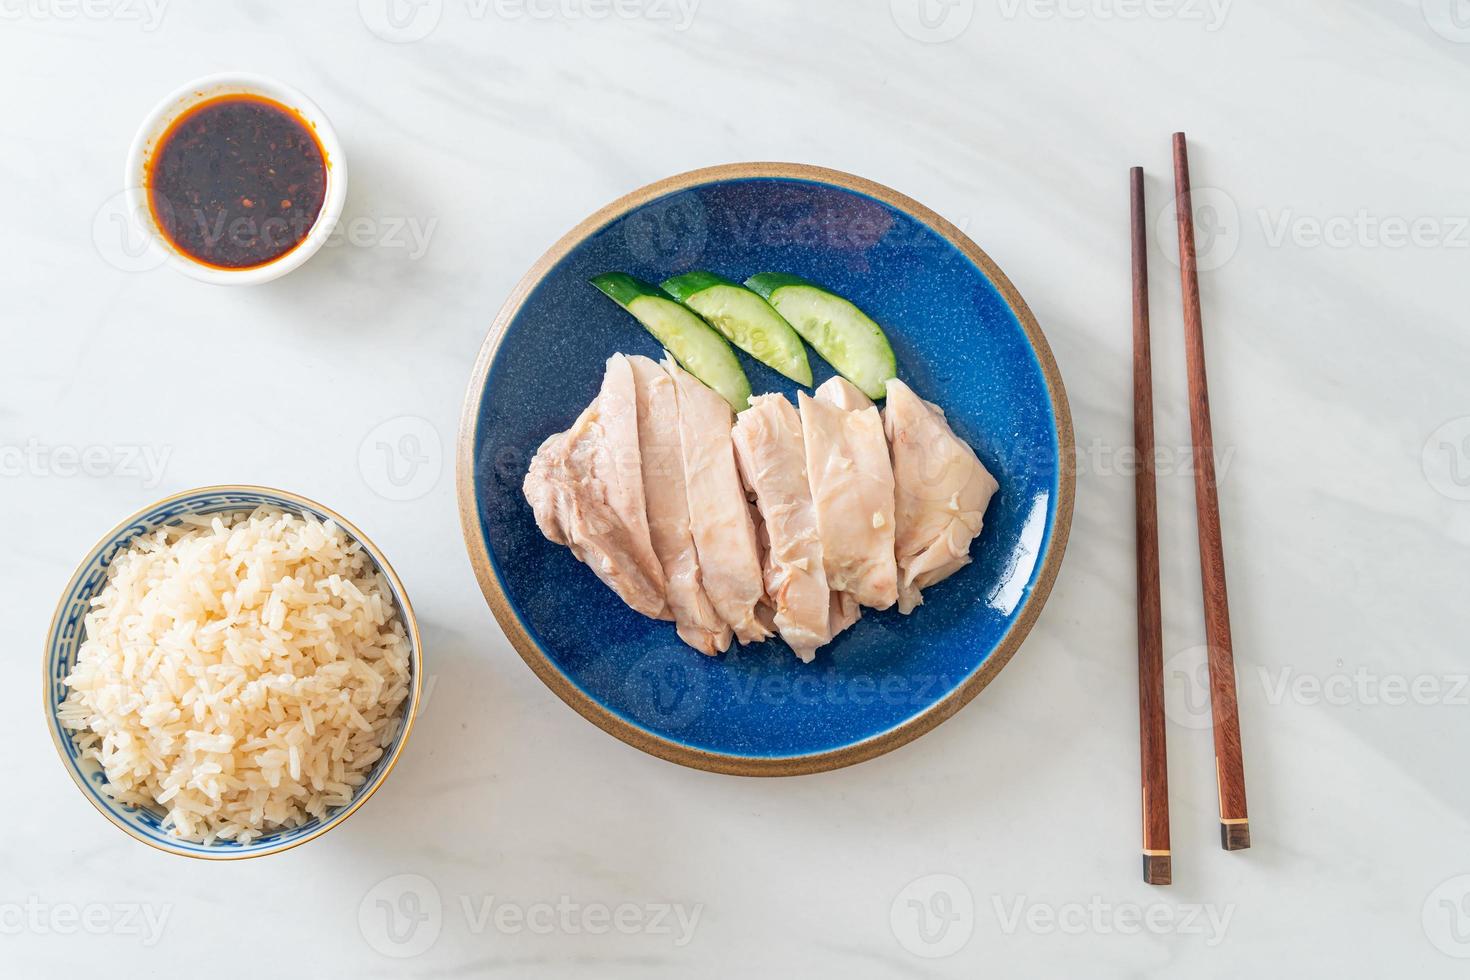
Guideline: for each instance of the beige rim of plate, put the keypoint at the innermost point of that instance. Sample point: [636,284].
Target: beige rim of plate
[686,755]
[410,625]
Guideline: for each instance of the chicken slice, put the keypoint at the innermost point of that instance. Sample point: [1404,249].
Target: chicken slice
[844,612]
[568,488]
[719,515]
[851,479]
[772,459]
[941,496]
[617,413]
[844,394]
[668,509]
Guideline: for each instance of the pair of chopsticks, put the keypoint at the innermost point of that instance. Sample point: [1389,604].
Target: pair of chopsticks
[1229,766]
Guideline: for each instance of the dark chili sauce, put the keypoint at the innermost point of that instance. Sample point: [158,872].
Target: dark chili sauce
[237,181]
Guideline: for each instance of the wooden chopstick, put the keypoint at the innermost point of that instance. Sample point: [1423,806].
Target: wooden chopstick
[1154,767]
[1235,831]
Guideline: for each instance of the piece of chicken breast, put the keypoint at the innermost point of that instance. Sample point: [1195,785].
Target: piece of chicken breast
[851,479]
[617,413]
[698,624]
[942,490]
[571,485]
[844,612]
[772,458]
[719,515]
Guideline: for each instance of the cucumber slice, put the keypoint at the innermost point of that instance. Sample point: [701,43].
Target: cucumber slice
[845,336]
[694,343]
[746,320]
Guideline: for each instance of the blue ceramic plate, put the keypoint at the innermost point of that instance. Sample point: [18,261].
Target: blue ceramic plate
[68,631]
[964,339]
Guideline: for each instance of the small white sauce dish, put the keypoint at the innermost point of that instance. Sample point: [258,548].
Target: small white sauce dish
[176,104]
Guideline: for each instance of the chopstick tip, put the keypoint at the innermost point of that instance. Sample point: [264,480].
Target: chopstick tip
[1235,835]
[1158,869]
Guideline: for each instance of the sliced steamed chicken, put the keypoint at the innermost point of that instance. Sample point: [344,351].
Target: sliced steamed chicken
[719,515]
[843,613]
[851,479]
[617,412]
[942,490]
[668,509]
[772,458]
[586,488]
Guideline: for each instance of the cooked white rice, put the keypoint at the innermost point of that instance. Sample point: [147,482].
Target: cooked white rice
[243,672]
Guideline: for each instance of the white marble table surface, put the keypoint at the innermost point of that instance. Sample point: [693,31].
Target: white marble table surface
[1333,135]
